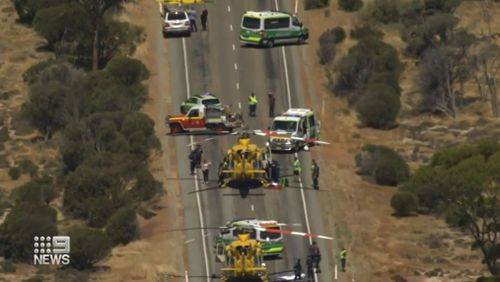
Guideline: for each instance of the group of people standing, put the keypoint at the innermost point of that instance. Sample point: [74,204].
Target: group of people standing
[312,263]
[193,15]
[252,104]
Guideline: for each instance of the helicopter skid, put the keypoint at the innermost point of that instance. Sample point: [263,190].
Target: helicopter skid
[244,184]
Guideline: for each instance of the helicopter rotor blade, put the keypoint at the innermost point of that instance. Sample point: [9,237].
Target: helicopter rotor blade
[201,141]
[296,233]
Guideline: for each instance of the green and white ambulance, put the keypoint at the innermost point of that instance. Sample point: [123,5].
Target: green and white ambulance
[269,27]
[267,232]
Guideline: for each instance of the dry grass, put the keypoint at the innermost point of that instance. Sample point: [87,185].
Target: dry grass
[380,245]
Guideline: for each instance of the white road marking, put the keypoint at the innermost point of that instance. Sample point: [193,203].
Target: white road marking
[239,107]
[231,27]
[188,241]
[296,6]
[336,272]
[235,66]
[237,85]
[228,8]
[302,194]
[234,47]
[198,200]
[251,205]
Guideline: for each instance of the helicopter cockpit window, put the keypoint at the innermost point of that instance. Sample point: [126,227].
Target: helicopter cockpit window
[283,125]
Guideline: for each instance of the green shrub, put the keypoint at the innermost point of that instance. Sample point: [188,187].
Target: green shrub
[391,170]
[386,11]
[366,31]
[8,266]
[14,172]
[384,164]
[29,167]
[489,279]
[88,246]
[128,70]
[488,147]
[327,42]
[378,107]
[425,184]
[315,4]
[451,156]
[122,226]
[350,5]
[37,191]
[404,203]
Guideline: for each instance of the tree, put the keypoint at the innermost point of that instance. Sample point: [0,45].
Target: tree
[350,5]
[61,25]
[122,227]
[386,11]
[327,42]
[404,203]
[88,246]
[97,9]
[27,9]
[36,192]
[379,106]
[24,222]
[58,95]
[382,163]
[127,70]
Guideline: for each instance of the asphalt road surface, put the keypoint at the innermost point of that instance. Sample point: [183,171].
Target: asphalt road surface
[213,60]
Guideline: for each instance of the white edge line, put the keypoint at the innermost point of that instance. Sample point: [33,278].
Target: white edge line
[302,194]
[336,272]
[198,200]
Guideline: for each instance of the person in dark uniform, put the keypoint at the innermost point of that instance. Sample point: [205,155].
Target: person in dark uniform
[272,103]
[315,175]
[297,270]
[204,18]
[315,255]
[310,269]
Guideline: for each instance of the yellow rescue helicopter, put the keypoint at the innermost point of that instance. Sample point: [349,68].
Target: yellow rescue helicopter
[244,165]
[244,261]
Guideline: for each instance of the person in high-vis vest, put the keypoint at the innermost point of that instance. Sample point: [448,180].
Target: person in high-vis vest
[296,169]
[252,104]
[343,259]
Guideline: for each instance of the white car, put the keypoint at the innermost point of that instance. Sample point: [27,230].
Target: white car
[176,22]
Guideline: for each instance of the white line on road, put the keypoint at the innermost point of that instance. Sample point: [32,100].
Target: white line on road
[239,104]
[296,6]
[252,205]
[188,241]
[336,272]
[198,200]
[302,194]
[228,8]
[237,85]
[234,47]
[235,66]
[231,27]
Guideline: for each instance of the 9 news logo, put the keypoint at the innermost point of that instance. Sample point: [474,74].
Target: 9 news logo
[51,250]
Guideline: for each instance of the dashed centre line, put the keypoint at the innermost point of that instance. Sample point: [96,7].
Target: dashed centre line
[234,47]
[228,8]
[231,27]
[235,66]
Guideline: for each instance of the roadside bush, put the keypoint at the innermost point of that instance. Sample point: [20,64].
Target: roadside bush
[488,147]
[88,246]
[27,9]
[122,226]
[327,42]
[350,5]
[364,31]
[22,223]
[451,156]
[8,266]
[37,191]
[14,172]
[378,107]
[383,164]
[489,279]
[29,167]
[386,11]
[425,184]
[404,203]
[315,4]
[128,70]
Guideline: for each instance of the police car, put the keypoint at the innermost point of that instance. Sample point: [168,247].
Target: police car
[206,99]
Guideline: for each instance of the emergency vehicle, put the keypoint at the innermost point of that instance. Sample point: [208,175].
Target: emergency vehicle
[272,242]
[295,129]
[200,118]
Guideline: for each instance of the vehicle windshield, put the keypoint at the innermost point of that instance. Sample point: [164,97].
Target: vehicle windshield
[210,102]
[251,23]
[271,235]
[176,16]
[283,125]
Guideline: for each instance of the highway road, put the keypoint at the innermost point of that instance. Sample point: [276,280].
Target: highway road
[213,60]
